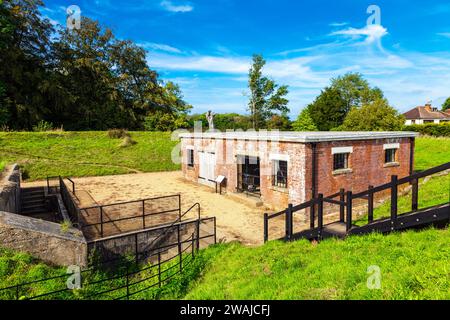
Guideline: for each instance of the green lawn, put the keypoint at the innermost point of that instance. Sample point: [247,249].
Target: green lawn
[2,165]
[86,153]
[414,265]
[431,152]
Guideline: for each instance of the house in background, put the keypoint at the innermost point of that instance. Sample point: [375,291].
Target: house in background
[426,114]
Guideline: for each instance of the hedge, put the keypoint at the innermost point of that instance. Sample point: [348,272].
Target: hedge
[430,129]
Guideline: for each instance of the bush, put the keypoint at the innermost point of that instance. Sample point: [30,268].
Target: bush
[127,142]
[430,129]
[118,133]
[43,126]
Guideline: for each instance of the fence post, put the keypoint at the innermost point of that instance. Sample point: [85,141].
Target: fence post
[415,195]
[394,196]
[159,268]
[370,205]
[342,205]
[288,231]
[179,207]
[320,212]
[311,214]
[198,235]
[143,214]
[136,248]
[179,249]
[192,245]
[266,227]
[128,285]
[101,221]
[17,292]
[349,210]
[215,230]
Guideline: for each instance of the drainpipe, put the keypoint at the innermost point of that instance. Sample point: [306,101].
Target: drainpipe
[411,155]
[314,170]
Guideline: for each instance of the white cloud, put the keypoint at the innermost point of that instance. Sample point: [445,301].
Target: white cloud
[372,32]
[338,24]
[159,47]
[169,6]
[444,34]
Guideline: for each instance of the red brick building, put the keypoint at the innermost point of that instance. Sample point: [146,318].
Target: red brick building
[289,167]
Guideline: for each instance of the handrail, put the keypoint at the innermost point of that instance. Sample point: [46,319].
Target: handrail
[175,222]
[346,199]
[128,202]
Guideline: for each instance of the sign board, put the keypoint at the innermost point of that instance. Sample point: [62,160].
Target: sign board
[220,179]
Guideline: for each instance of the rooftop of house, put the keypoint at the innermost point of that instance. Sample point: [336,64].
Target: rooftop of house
[426,112]
[300,136]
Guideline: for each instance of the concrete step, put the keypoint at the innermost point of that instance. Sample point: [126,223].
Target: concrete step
[35,210]
[32,202]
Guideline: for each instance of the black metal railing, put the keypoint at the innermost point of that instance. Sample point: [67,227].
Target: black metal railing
[346,204]
[136,212]
[24,291]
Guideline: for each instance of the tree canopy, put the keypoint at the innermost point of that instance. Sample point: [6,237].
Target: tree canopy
[82,79]
[374,116]
[266,97]
[446,105]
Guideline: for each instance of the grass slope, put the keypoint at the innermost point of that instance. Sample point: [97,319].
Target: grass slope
[86,153]
[414,265]
[431,152]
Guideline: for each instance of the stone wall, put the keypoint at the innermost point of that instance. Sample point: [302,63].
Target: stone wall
[44,240]
[10,189]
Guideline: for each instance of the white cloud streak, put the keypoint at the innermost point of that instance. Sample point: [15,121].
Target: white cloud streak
[171,7]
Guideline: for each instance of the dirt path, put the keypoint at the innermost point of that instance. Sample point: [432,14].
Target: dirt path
[236,220]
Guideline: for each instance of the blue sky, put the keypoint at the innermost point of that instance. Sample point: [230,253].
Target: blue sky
[206,46]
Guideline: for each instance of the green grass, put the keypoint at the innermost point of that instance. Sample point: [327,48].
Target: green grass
[431,152]
[20,268]
[2,165]
[77,154]
[414,265]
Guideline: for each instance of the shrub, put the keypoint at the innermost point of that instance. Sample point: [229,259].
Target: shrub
[430,129]
[118,133]
[43,126]
[127,142]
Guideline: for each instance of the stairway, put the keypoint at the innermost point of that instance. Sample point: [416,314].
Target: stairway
[33,201]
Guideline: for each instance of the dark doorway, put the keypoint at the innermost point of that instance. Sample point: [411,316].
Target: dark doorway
[249,180]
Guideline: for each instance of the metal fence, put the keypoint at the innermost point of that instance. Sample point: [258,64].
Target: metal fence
[69,202]
[108,220]
[100,282]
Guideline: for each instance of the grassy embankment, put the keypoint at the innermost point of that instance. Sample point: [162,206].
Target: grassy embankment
[78,154]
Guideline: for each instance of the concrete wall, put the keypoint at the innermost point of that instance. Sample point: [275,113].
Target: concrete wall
[10,189]
[44,240]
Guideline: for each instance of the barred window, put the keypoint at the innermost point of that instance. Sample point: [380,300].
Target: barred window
[279,178]
[340,161]
[389,155]
[190,159]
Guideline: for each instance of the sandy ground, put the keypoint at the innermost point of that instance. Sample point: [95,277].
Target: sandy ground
[237,219]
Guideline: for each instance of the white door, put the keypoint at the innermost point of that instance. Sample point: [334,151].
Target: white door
[207,163]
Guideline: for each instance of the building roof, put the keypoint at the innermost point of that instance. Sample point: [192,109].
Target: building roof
[300,136]
[426,113]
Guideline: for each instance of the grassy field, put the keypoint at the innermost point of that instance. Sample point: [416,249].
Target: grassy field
[430,152]
[85,153]
[2,165]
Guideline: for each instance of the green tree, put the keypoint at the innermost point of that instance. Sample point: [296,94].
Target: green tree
[266,97]
[375,116]
[446,105]
[355,90]
[304,122]
[329,109]
[279,122]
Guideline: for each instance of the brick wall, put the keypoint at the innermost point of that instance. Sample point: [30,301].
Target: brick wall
[366,163]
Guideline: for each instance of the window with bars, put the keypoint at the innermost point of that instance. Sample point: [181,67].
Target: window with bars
[389,155]
[190,159]
[340,161]
[280,174]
